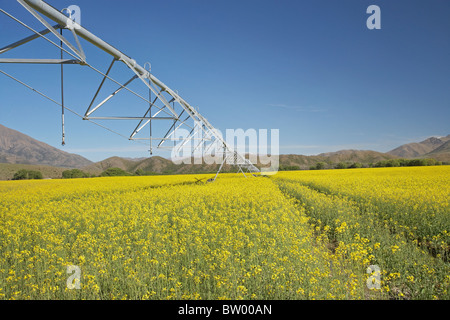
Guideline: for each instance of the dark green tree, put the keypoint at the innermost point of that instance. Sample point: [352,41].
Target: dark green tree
[21,175]
[74,173]
[114,172]
[32,174]
[341,165]
[27,174]
[139,172]
[355,165]
[320,165]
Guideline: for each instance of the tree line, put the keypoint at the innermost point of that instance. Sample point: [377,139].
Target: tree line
[384,163]
[379,164]
[77,173]
[114,172]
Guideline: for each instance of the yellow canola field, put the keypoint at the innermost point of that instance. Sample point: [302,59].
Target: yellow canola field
[294,235]
[412,200]
[394,218]
[163,237]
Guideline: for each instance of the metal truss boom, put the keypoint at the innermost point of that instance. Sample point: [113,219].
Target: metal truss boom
[162,93]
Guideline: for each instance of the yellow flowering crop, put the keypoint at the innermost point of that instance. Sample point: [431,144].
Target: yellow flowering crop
[161,238]
[395,218]
[294,235]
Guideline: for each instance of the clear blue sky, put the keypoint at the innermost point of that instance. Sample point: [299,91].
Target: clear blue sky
[309,68]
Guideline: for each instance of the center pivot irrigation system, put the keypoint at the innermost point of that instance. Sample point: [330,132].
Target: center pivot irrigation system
[165,105]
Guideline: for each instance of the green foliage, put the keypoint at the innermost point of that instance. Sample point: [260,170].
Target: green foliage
[27,174]
[32,174]
[355,165]
[139,172]
[407,163]
[74,173]
[114,172]
[21,175]
[341,165]
[288,168]
[320,165]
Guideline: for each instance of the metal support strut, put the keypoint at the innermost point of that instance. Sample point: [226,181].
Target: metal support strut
[164,98]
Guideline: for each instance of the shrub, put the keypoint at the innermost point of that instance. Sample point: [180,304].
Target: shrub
[355,165]
[74,173]
[114,172]
[288,168]
[34,174]
[408,163]
[320,165]
[27,174]
[341,165]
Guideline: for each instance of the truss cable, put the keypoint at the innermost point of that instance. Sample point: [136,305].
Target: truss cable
[39,34]
[140,72]
[63,142]
[75,57]
[66,108]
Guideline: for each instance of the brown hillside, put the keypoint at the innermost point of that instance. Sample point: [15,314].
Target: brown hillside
[419,149]
[113,162]
[7,170]
[16,147]
[441,153]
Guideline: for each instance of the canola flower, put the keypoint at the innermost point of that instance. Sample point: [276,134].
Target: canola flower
[163,238]
[380,217]
[295,235]
[414,201]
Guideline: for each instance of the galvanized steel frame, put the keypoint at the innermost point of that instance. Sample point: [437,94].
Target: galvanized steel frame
[158,88]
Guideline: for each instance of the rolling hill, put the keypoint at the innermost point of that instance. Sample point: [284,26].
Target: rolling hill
[362,156]
[19,151]
[441,153]
[7,170]
[154,164]
[16,147]
[349,156]
[426,148]
[161,165]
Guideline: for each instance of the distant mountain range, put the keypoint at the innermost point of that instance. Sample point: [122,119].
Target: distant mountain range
[18,149]
[161,165]
[434,147]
